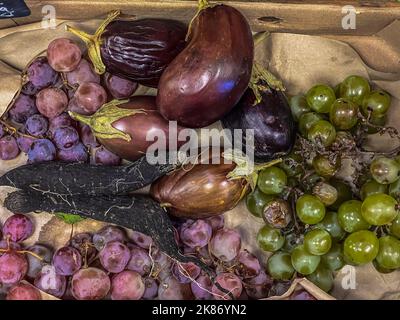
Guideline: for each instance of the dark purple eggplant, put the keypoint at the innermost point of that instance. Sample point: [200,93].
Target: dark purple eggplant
[138,50]
[207,79]
[271,120]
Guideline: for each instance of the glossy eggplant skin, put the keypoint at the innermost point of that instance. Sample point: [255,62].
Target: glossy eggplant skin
[140,50]
[137,126]
[201,191]
[271,120]
[207,79]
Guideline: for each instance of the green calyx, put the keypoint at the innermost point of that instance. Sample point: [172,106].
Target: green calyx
[101,122]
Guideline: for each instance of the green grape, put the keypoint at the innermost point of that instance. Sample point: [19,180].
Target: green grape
[291,164]
[336,89]
[361,247]
[310,209]
[324,167]
[317,242]
[298,106]
[395,227]
[307,120]
[379,209]
[376,121]
[372,187]
[272,180]
[256,202]
[333,260]
[385,170]
[325,192]
[343,114]
[376,103]
[354,88]
[350,217]
[344,141]
[331,224]
[322,132]
[322,278]
[270,239]
[344,193]
[279,266]
[394,189]
[320,98]
[303,261]
[381,269]
[310,181]
[291,241]
[389,252]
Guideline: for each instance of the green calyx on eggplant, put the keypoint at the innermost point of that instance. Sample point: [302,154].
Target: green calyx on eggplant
[206,80]
[122,126]
[212,186]
[138,50]
[265,109]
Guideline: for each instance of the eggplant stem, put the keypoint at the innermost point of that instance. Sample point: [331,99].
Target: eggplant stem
[202,4]
[101,122]
[93,42]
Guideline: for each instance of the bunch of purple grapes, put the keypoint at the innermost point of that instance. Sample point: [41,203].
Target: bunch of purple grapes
[38,123]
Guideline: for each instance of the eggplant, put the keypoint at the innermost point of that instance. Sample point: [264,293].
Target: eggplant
[200,190]
[206,80]
[270,118]
[138,50]
[121,126]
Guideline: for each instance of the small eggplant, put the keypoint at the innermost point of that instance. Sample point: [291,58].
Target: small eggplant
[271,120]
[121,126]
[138,50]
[207,79]
[201,191]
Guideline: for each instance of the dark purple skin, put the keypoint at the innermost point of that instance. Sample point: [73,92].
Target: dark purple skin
[206,80]
[140,50]
[272,121]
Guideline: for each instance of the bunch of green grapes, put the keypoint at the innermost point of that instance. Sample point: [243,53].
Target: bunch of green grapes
[314,222]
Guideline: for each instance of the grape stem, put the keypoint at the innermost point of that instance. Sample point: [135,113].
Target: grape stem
[14,131]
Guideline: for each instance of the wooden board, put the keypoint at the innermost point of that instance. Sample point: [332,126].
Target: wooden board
[309,17]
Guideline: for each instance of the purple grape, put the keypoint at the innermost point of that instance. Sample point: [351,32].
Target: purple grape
[18,227]
[141,239]
[84,72]
[35,264]
[9,245]
[40,75]
[63,120]
[83,243]
[302,295]
[65,138]
[51,102]
[108,234]
[140,261]
[216,222]
[74,107]
[114,256]
[36,125]
[25,143]
[67,261]
[2,131]
[24,107]
[171,289]
[229,282]
[151,289]
[185,272]
[104,157]
[23,291]
[161,260]
[201,288]
[8,148]
[196,234]
[119,88]
[87,137]
[13,267]
[77,153]
[249,265]
[90,96]
[50,282]
[41,150]
[90,284]
[225,244]
[127,285]
[259,286]
[201,253]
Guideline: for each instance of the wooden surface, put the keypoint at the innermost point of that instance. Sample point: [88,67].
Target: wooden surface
[310,17]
